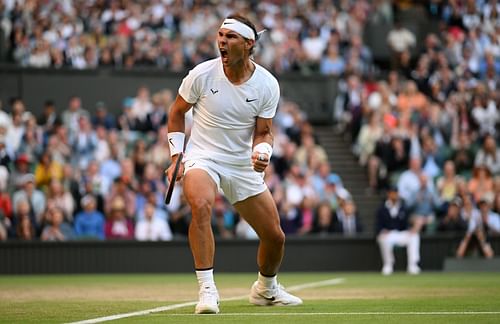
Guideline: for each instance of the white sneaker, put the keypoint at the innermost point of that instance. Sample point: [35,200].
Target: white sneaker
[208,301]
[387,270]
[414,270]
[276,296]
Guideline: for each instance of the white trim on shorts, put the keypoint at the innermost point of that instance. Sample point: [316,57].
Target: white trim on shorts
[236,182]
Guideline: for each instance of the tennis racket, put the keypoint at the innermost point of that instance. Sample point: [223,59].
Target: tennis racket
[171,185]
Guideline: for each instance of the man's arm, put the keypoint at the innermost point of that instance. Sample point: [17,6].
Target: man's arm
[176,120]
[262,143]
[176,126]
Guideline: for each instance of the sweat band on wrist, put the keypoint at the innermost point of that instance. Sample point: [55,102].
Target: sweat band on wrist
[264,147]
[176,142]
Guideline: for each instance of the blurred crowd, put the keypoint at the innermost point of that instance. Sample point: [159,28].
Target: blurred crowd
[429,126]
[307,36]
[425,128]
[77,175]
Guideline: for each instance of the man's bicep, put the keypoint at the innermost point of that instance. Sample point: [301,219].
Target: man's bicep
[263,126]
[180,105]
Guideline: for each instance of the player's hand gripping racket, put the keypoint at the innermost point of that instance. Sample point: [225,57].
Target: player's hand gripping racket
[171,185]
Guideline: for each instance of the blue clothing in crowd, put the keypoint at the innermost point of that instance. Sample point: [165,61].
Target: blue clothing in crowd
[89,225]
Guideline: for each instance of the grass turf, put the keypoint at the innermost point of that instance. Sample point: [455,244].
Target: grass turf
[361,297]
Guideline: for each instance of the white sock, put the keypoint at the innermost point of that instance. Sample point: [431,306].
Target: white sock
[267,282]
[205,278]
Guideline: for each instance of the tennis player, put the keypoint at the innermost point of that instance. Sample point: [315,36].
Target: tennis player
[233,100]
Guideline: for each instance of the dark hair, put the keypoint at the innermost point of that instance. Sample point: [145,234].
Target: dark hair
[247,22]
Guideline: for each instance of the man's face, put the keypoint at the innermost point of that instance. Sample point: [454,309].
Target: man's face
[232,46]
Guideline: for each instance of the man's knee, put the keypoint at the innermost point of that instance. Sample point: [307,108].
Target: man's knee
[275,237]
[200,207]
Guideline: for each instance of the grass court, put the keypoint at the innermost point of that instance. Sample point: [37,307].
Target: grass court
[328,298]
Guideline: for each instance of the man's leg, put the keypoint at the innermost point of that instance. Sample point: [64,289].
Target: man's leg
[261,213]
[386,244]
[200,191]
[413,252]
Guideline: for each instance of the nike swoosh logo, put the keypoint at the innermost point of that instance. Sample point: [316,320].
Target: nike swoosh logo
[250,100]
[191,164]
[270,298]
[214,91]
[228,23]
[172,143]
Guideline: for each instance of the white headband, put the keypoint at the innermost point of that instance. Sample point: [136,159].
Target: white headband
[239,27]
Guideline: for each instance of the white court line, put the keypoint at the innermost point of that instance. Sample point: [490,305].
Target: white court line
[345,313]
[329,282]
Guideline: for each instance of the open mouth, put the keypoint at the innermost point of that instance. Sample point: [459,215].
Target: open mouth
[223,53]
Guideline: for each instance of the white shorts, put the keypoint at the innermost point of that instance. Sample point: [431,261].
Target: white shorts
[236,182]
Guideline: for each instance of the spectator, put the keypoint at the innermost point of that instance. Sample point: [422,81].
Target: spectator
[5,198]
[47,170]
[400,40]
[83,143]
[347,221]
[24,223]
[117,225]
[476,235]
[89,223]
[49,118]
[463,153]
[25,229]
[481,183]
[453,222]
[369,135]
[309,151]
[102,117]
[5,156]
[331,62]
[489,219]
[489,156]
[423,204]
[151,228]
[392,230]
[324,222]
[71,116]
[61,198]
[447,184]
[27,192]
[121,189]
[57,229]
[313,46]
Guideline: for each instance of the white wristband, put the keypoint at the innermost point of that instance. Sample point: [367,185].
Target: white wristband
[264,147]
[176,142]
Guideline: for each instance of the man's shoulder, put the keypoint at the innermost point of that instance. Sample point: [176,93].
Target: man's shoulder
[264,74]
[205,68]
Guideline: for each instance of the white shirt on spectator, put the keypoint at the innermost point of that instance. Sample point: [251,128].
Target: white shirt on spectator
[153,230]
[401,39]
[314,47]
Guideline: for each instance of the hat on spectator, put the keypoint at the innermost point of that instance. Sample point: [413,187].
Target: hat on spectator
[127,102]
[23,158]
[88,198]
[333,178]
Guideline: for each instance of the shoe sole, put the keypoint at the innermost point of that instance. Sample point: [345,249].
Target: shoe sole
[265,302]
[206,310]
